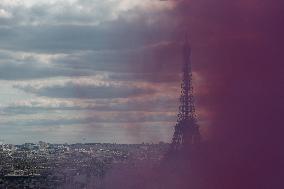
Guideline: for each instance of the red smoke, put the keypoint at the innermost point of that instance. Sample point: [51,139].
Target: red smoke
[237,46]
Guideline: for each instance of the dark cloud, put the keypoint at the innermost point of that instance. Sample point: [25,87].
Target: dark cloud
[147,77]
[23,66]
[139,64]
[23,70]
[73,90]
[158,104]
[120,33]
[163,58]
[130,42]
[101,117]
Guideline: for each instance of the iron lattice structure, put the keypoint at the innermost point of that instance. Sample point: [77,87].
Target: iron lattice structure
[186,129]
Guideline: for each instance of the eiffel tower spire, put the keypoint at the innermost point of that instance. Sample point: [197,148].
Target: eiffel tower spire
[186,129]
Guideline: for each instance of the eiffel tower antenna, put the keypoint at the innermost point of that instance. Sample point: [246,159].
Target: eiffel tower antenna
[186,129]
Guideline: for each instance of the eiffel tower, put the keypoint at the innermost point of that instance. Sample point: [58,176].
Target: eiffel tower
[186,132]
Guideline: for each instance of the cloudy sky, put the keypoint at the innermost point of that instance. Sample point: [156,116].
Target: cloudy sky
[89,70]
[108,71]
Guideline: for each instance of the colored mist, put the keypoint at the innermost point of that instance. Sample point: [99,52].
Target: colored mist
[236,49]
